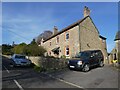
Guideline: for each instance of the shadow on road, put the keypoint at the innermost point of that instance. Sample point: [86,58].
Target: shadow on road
[24,73]
[6,64]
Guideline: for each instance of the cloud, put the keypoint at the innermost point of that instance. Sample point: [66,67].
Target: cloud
[26,28]
[17,20]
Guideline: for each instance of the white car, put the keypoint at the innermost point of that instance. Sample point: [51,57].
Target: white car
[20,60]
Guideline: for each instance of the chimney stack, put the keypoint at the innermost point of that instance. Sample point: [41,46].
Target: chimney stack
[55,30]
[86,11]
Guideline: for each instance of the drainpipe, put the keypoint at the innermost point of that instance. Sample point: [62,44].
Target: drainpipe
[79,39]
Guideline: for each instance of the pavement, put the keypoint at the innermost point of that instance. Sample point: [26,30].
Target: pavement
[26,77]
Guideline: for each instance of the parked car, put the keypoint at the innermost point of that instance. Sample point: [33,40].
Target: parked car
[20,60]
[86,59]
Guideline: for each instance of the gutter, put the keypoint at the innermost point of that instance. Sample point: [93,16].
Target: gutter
[79,38]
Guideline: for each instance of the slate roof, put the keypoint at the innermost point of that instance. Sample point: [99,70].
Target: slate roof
[117,37]
[102,37]
[71,26]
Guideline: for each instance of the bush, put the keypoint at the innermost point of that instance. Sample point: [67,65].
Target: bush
[38,68]
[63,56]
[34,50]
[31,49]
[50,57]
[53,64]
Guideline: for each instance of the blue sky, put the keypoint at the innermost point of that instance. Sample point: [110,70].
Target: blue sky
[21,22]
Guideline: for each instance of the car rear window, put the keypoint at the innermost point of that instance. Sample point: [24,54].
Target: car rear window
[20,57]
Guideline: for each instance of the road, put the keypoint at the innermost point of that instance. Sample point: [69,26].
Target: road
[26,77]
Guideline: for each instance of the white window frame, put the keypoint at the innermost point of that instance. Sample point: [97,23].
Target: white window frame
[67,36]
[67,50]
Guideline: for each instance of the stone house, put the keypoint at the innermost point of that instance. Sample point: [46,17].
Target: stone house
[115,53]
[79,36]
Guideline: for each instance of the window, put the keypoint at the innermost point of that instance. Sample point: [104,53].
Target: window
[85,55]
[115,57]
[67,36]
[50,53]
[20,57]
[50,43]
[67,51]
[57,41]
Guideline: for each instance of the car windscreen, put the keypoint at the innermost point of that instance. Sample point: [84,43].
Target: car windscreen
[19,57]
[82,55]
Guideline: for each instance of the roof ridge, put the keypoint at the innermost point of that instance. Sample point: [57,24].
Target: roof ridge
[117,37]
[68,27]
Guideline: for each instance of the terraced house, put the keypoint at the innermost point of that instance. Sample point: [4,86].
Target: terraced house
[79,36]
[115,53]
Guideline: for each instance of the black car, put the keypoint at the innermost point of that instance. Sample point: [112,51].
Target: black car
[86,59]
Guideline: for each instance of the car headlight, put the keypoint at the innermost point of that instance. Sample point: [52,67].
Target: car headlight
[79,62]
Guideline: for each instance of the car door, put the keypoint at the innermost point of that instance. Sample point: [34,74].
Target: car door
[92,59]
[99,56]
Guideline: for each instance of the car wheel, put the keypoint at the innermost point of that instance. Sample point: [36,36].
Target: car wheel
[86,68]
[101,64]
[70,68]
[12,65]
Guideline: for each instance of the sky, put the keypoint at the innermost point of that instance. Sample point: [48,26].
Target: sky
[23,21]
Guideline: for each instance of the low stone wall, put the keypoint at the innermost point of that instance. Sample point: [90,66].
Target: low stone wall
[110,58]
[7,56]
[35,60]
[49,63]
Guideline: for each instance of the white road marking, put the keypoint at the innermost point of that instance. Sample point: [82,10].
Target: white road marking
[69,83]
[66,82]
[7,69]
[20,87]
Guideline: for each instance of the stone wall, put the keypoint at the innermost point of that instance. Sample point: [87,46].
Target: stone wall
[35,60]
[104,50]
[7,56]
[73,42]
[89,38]
[115,50]
[49,63]
[85,37]
[117,46]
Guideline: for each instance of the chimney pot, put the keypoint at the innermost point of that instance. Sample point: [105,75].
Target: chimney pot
[55,30]
[86,11]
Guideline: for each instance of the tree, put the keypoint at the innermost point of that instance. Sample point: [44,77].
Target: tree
[45,35]
[7,49]
[33,42]
[33,49]
[19,49]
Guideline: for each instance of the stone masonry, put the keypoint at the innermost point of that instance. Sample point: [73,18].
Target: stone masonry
[81,35]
